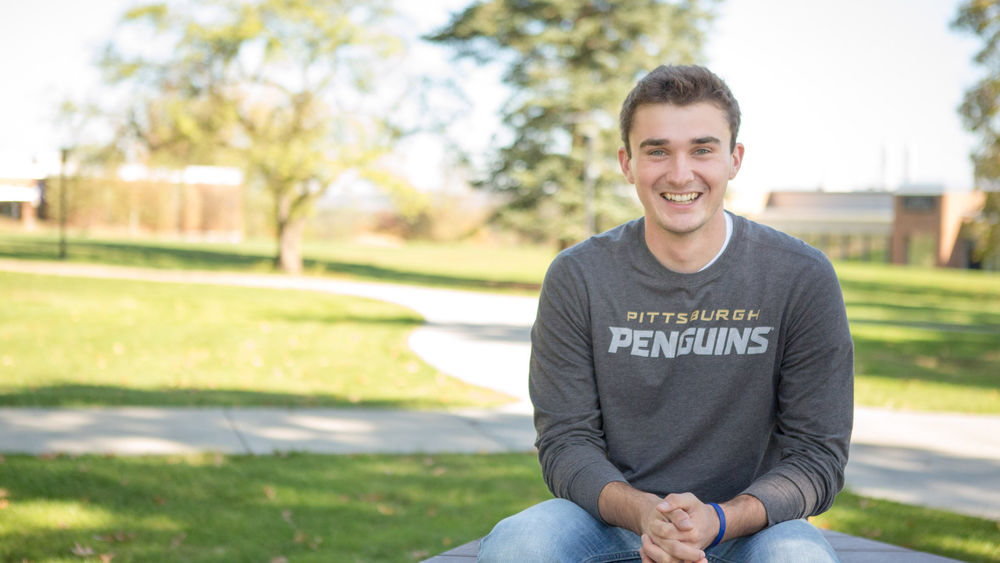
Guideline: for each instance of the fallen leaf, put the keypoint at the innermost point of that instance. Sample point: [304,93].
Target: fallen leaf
[119,536]
[81,550]
[286,515]
[159,500]
[178,540]
[107,557]
[269,492]
[279,559]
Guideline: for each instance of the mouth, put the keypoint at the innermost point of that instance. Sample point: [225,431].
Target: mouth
[681,198]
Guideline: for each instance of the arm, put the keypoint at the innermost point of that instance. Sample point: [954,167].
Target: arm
[571,446]
[815,401]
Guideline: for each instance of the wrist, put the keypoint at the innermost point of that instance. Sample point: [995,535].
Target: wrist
[745,515]
[624,506]
[721,514]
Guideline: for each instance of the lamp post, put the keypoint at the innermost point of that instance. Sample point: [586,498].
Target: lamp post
[63,203]
[586,125]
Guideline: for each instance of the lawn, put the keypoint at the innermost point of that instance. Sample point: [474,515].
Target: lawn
[461,266]
[78,341]
[306,507]
[926,339]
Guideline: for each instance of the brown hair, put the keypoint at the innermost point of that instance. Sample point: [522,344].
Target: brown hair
[680,85]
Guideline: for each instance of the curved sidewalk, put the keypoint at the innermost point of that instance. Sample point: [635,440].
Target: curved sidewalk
[940,460]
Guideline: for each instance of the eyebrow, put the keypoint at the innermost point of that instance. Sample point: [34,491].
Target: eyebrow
[709,140]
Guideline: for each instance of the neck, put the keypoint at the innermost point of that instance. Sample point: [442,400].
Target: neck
[687,253]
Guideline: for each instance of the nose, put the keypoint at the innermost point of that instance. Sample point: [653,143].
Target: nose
[680,172]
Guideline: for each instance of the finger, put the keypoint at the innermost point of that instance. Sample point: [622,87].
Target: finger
[652,552]
[642,550]
[681,551]
[681,520]
[679,517]
[682,500]
[672,550]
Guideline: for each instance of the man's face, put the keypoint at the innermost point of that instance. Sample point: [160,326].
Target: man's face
[680,165]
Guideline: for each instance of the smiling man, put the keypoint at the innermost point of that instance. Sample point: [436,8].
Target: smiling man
[691,370]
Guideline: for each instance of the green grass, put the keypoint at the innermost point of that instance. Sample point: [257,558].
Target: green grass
[926,339]
[961,537]
[306,507]
[460,266]
[302,507]
[79,341]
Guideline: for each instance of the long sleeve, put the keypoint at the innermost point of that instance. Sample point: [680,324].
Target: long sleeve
[571,446]
[815,407]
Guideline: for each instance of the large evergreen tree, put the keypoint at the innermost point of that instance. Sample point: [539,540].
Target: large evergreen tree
[981,112]
[569,64]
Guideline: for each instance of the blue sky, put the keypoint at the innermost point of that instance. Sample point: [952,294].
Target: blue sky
[845,94]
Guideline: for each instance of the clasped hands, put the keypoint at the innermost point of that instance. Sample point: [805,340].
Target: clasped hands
[677,529]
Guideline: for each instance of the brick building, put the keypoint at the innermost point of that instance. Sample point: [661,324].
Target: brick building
[915,225]
[19,200]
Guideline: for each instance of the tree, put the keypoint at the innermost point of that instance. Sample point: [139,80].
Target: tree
[283,87]
[981,112]
[569,64]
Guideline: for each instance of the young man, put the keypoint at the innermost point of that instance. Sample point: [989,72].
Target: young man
[691,371]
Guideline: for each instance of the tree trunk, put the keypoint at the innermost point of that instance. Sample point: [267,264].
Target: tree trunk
[289,258]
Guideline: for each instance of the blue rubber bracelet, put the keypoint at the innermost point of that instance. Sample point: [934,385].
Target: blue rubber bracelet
[722,524]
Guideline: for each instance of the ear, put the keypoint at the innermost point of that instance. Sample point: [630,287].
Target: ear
[626,164]
[737,161]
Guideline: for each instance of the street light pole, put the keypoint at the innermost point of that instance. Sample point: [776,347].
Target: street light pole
[589,218]
[63,199]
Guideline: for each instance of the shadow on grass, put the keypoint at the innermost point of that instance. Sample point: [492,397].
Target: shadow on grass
[246,508]
[149,255]
[79,395]
[928,305]
[968,359]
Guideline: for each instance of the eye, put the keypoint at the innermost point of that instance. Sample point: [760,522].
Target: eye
[702,151]
[657,152]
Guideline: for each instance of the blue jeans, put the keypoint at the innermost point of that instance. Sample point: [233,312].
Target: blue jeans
[559,530]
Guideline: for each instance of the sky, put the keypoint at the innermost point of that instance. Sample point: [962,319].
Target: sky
[835,94]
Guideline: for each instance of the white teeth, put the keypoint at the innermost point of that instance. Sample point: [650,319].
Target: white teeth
[681,198]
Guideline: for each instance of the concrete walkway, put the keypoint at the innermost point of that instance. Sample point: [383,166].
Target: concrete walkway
[939,460]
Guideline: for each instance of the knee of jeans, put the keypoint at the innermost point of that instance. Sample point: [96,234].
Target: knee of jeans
[794,541]
[528,536]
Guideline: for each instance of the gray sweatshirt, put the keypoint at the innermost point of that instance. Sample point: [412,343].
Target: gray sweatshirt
[736,379]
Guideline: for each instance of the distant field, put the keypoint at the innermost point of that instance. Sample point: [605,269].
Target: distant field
[926,339]
[464,266]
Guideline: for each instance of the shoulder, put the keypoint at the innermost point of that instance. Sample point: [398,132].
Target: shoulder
[774,249]
[601,251]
